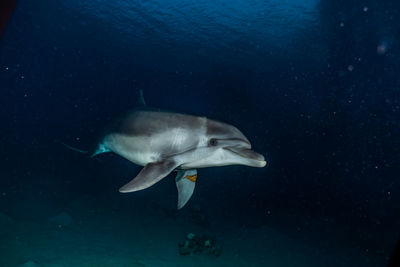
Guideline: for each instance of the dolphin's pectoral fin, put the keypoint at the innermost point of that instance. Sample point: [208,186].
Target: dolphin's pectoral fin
[149,175]
[185,182]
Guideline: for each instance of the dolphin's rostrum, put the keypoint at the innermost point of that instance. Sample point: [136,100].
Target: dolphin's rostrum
[165,141]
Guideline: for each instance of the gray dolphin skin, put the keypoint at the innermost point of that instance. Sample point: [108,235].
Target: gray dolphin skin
[165,141]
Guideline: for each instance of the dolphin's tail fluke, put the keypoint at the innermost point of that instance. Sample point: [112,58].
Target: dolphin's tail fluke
[75,149]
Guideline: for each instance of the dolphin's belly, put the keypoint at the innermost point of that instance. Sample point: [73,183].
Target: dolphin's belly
[134,149]
[143,149]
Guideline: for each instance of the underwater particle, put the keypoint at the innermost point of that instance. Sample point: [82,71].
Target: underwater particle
[365,9]
[342,24]
[6,68]
[22,77]
[350,68]
[381,49]
[63,219]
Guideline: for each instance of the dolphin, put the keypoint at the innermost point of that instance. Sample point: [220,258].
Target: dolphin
[163,141]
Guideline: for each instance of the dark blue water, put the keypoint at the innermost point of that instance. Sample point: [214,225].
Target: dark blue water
[313,84]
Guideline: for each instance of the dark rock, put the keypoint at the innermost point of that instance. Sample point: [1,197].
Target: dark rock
[184,250]
[199,244]
[214,251]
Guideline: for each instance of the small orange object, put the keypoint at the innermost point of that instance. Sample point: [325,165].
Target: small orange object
[191,177]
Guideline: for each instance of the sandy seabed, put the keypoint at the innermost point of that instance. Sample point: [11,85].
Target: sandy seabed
[150,237]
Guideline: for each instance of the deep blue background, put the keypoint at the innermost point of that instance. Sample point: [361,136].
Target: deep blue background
[315,86]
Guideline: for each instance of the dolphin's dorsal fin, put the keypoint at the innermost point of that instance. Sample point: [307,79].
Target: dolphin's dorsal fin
[140,100]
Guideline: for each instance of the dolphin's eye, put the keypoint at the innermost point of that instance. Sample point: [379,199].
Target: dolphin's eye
[213,142]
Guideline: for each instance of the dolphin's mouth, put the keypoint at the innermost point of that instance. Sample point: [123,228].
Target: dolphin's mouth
[252,158]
